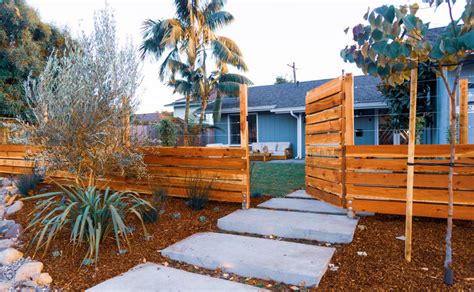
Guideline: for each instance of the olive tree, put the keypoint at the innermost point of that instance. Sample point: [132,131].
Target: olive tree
[394,41]
[81,104]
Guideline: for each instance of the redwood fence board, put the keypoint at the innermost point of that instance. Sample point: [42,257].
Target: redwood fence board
[171,168]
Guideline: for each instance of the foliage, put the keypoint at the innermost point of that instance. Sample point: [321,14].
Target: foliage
[28,182]
[186,43]
[89,214]
[25,44]
[397,98]
[168,133]
[78,105]
[158,201]
[197,192]
[395,41]
[281,80]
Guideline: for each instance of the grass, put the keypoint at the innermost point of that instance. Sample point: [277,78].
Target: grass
[276,179]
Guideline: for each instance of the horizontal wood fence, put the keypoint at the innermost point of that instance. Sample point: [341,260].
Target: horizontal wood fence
[376,180]
[325,127]
[172,168]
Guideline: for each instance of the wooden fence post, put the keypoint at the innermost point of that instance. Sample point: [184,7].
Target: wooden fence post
[348,88]
[410,164]
[463,115]
[244,141]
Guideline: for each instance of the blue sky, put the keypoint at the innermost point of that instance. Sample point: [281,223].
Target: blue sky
[270,33]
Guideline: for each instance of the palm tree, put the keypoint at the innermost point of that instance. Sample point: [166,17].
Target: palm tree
[191,36]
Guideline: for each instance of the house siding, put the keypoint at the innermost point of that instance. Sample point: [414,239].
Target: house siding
[278,128]
[442,106]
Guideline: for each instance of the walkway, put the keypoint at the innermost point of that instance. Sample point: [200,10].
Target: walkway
[253,244]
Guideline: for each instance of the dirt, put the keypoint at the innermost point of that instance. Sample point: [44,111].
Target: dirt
[384,266]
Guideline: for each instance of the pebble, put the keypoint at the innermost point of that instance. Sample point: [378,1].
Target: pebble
[7,272]
[17,206]
[9,256]
[43,279]
[27,271]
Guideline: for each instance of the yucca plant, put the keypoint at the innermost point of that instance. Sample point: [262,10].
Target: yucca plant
[89,214]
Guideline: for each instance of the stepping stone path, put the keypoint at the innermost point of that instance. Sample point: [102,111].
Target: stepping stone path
[294,225]
[298,216]
[303,205]
[281,261]
[153,277]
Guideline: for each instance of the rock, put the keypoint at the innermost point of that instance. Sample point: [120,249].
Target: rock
[6,243]
[362,253]
[6,182]
[17,206]
[4,286]
[13,231]
[42,279]
[401,237]
[12,190]
[202,218]
[176,215]
[27,271]
[9,256]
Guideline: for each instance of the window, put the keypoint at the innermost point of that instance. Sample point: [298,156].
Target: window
[234,129]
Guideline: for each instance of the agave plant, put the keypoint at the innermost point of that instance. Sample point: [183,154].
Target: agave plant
[89,214]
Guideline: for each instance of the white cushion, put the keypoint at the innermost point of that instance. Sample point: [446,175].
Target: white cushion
[216,145]
[283,145]
[272,146]
[279,153]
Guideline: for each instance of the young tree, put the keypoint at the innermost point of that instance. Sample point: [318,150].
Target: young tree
[190,38]
[394,42]
[78,105]
[167,133]
[281,80]
[25,44]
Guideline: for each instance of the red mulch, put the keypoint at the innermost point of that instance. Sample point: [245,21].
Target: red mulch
[384,266]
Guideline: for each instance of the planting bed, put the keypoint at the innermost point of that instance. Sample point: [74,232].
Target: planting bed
[383,267]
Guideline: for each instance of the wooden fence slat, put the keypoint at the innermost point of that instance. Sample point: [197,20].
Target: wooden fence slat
[401,151]
[327,89]
[193,151]
[323,173]
[419,209]
[324,104]
[324,185]
[399,194]
[463,111]
[323,150]
[235,163]
[326,115]
[334,163]
[400,165]
[326,127]
[324,196]
[331,138]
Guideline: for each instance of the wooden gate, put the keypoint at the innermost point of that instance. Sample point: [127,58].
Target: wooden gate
[329,128]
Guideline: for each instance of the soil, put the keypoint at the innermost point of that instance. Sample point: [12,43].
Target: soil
[384,266]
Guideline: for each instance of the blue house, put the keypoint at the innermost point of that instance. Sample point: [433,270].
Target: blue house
[276,113]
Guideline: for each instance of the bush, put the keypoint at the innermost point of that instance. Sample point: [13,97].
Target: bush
[158,201]
[168,133]
[90,215]
[198,191]
[28,182]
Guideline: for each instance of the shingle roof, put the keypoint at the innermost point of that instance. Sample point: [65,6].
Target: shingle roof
[291,95]
[147,118]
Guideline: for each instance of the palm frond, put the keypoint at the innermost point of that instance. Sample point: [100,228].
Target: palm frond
[218,19]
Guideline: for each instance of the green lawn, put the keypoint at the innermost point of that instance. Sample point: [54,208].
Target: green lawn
[276,179]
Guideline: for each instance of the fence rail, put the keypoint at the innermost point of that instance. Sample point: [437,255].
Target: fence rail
[376,179]
[169,167]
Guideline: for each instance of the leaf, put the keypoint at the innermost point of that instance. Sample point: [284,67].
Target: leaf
[467,40]
[390,14]
[393,50]
[377,34]
[410,22]
[379,47]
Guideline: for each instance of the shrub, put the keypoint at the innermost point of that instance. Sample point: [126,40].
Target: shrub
[28,182]
[158,201]
[198,191]
[168,135]
[89,214]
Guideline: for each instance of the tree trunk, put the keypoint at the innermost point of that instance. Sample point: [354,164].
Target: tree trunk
[448,271]
[186,122]
[202,116]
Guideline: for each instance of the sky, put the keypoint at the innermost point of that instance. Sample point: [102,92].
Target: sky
[270,33]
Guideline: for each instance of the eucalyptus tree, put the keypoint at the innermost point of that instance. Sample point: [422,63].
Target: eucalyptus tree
[190,38]
[77,105]
[394,41]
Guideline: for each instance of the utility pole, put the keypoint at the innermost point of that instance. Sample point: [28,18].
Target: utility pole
[293,66]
